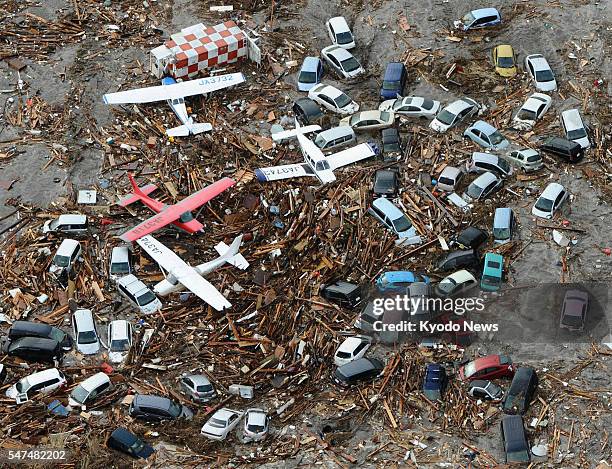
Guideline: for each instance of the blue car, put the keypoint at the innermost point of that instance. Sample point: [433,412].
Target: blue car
[481,18]
[310,73]
[435,381]
[399,280]
[394,81]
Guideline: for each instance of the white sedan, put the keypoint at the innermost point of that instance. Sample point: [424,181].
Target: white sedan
[540,72]
[342,61]
[411,106]
[531,111]
[454,113]
[351,349]
[221,423]
[333,99]
[369,120]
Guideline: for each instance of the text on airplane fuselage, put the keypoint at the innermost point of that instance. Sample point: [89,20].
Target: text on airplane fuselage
[147,242]
[213,80]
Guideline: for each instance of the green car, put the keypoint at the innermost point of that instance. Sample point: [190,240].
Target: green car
[492,272]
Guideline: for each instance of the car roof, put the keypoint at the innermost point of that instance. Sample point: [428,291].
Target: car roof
[493,257]
[528,151]
[560,142]
[371,114]
[552,191]
[539,62]
[572,119]
[489,360]
[94,381]
[328,90]
[457,106]
[256,416]
[577,294]
[502,216]
[349,344]
[358,366]
[336,132]
[400,276]
[393,70]
[342,286]
[387,207]
[34,342]
[151,400]
[533,103]
[120,329]
[450,172]
[484,157]
[198,380]
[386,174]
[481,12]
[505,50]
[124,435]
[84,317]
[132,284]
[310,64]
[339,24]
[31,326]
[120,254]
[471,233]
[339,52]
[71,218]
[514,433]
[483,127]
[461,276]
[67,247]
[308,106]
[485,179]
[43,375]
[479,383]
[224,413]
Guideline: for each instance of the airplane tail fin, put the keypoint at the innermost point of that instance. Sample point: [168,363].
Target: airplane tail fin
[138,192]
[185,130]
[231,253]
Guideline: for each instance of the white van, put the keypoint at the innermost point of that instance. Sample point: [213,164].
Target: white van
[335,137]
[574,128]
[89,390]
[66,256]
[42,382]
[70,224]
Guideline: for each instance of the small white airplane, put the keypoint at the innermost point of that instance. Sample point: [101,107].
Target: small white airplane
[315,162]
[182,275]
[174,94]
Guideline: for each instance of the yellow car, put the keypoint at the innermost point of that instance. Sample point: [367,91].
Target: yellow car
[503,59]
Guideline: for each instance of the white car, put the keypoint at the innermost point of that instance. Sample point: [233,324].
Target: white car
[85,334]
[221,423]
[333,99]
[342,61]
[540,72]
[574,128]
[483,186]
[411,106]
[454,113]
[120,334]
[449,179]
[138,294]
[351,349]
[456,283]
[527,159]
[66,256]
[69,224]
[340,33]
[531,111]
[43,382]
[256,425]
[550,201]
[86,392]
[369,120]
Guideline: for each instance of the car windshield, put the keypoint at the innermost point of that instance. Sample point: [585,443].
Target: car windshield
[350,64]
[137,446]
[204,387]
[393,146]
[397,104]
[384,116]
[501,233]
[490,280]
[79,394]
[120,345]
[57,334]
[174,409]
[217,423]
[427,104]
[61,261]
[474,191]
[145,298]
[544,204]
[446,117]
[389,85]
[576,134]
[533,158]
[469,369]
[447,285]
[571,320]
[503,164]
[22,385]
[255,428]
[307,77]
[402,224]
[545,75]
[87,337]
[467,19]
[493,389]
[120,267]
[343,355]
[505,62]
[355,119]
[496,138]
[342,100]
[447,181]
[526,115]
[344,38]
[54,224]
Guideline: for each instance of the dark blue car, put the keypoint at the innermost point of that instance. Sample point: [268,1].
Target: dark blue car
[435,381]
[128,443]
[393,81]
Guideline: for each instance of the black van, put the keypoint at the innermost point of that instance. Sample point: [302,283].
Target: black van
[345,294]
[459,259]
[362,369]
[21,329]
[521,391]
[563,148]
[36,349]
[514,439]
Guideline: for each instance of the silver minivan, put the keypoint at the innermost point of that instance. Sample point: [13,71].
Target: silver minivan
[483,162]
[335,137]
[69,223]
[503,225]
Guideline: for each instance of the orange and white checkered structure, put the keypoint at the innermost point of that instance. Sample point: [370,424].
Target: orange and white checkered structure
[199,48]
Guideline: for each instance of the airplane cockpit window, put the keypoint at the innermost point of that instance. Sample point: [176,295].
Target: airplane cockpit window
[186,217]
[322,165]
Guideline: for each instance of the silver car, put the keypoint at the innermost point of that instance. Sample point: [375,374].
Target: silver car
[342,62]
[198,388]
[527,159]
[256,425]
[85,334]
[369,120]
[394,219]
[483,186]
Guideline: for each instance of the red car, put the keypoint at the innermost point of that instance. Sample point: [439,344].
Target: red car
[489,367]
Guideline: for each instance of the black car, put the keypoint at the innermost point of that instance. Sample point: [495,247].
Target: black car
[36,349]
[514,439]
[472,237]
[392,145]
[128,443]
[521,391]
[386,183]
[156,408]
[21,329]
[345,294]
[307,111]
[459,260]
[360,370]
[563,148]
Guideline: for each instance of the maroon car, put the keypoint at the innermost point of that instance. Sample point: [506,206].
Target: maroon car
[574,311]
[489,367]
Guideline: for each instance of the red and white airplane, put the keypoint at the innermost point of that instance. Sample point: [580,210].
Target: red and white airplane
[178,214]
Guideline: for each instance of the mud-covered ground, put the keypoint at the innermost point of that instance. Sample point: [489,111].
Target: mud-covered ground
[347,427]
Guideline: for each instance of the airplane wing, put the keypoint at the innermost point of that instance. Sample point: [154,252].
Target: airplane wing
[350,155]
[275,173]
[285,134]
[173,212]
[176,90]
[183,272]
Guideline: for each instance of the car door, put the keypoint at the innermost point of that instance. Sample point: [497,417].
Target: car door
[328,102]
